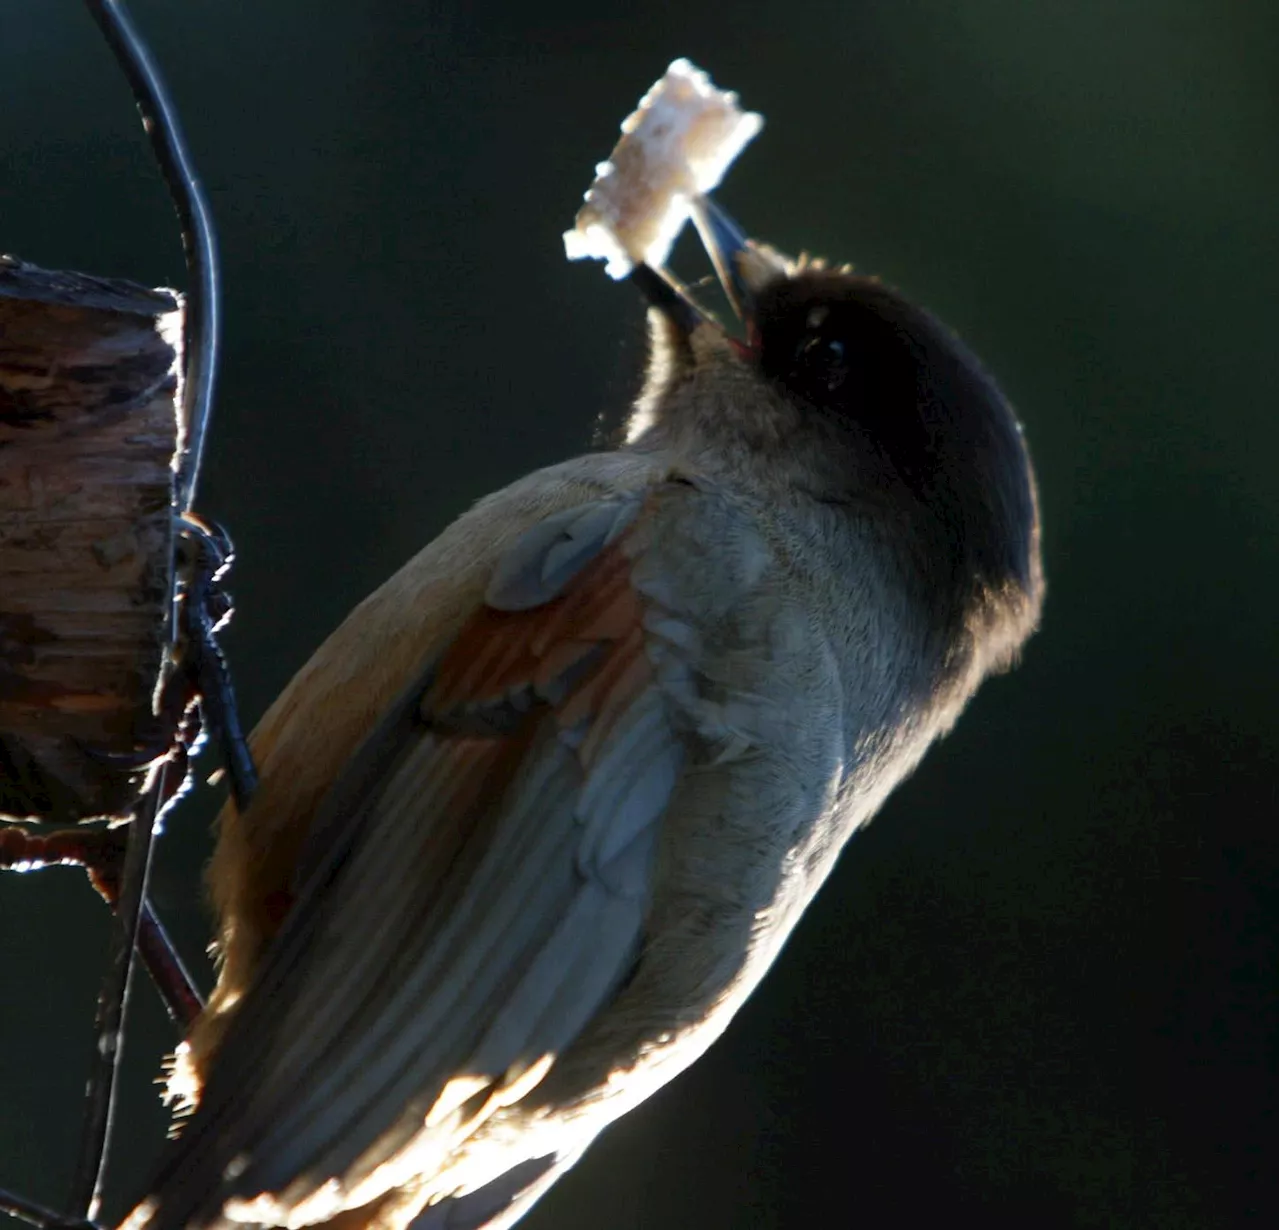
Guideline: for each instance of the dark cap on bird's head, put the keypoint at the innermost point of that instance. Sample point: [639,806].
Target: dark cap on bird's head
[851,395]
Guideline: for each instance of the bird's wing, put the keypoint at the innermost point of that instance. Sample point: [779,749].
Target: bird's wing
[473,891]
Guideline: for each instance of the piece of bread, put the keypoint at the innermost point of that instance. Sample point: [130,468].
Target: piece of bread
[675,146]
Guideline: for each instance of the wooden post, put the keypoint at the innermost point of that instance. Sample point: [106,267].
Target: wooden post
[89,375]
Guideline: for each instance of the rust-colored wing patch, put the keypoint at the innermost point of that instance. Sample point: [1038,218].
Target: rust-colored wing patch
[582,653]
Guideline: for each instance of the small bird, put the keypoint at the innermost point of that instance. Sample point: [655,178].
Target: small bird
[537,818]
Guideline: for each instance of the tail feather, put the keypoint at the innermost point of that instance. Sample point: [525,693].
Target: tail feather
[499,1203]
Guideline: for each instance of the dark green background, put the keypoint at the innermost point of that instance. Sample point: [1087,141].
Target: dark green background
[1039,990]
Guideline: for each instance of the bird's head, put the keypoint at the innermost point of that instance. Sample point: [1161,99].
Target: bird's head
[844,394]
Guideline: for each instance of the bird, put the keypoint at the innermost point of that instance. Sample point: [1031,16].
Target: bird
[538,817]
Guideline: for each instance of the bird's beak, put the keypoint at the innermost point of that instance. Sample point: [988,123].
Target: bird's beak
[743,267]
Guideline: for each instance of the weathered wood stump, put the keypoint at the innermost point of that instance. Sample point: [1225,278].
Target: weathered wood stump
[89,426]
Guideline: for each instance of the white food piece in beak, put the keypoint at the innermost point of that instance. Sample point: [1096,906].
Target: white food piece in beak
[675,146]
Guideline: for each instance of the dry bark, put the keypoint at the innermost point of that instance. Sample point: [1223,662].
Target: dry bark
[89,375]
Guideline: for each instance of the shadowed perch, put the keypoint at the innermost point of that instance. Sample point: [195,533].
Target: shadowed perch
[89,429]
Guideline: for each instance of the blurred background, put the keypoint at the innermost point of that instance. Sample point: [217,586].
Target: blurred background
[1039,991]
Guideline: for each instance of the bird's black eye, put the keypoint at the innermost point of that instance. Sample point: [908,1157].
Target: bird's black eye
[842,353]
[839,355]
[820,362]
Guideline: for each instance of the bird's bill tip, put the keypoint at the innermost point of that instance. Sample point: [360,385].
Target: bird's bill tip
[662,291]
[743,266]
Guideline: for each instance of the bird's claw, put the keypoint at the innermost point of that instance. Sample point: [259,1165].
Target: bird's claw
[197,697]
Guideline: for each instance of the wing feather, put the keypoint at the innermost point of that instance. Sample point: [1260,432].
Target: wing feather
[474,891]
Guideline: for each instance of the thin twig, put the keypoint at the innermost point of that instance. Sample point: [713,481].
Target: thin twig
[182,999]
[201,332]
[200,344]
[113,1002]
[36,1214]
